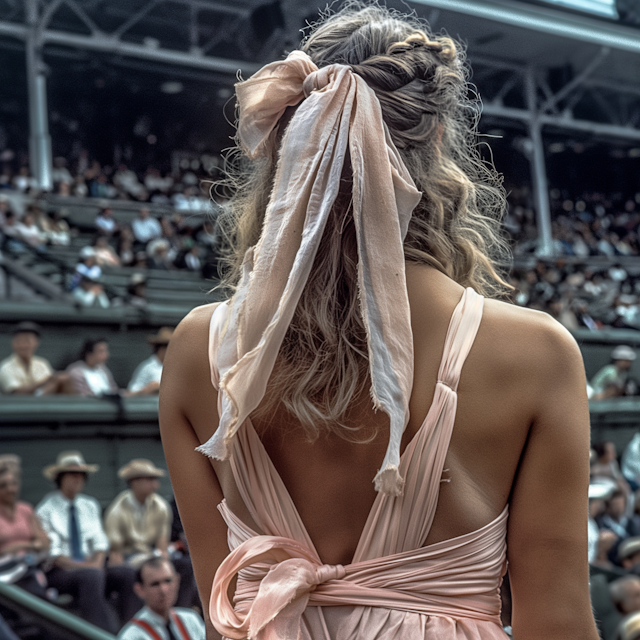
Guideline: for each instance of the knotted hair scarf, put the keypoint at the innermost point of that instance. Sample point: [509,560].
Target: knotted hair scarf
[337,113]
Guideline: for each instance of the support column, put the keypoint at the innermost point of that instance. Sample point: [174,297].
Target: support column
[39,138]
[538,170]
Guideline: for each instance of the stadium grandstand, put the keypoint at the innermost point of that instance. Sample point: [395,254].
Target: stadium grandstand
[114,120]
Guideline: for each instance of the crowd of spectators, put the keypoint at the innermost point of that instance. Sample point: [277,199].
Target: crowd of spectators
[575,289]
[25,373]
[614,538]
[67,547]
[84,177]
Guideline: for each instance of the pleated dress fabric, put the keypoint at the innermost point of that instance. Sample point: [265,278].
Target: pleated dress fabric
[394,588]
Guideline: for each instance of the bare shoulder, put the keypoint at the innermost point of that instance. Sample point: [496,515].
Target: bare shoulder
[194,326]
[533,339]
[186,365]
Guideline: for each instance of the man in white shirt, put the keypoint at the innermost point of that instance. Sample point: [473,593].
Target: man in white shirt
[145,227]
[90,375]
[24,373]
[157,584]
[146,378]
[79,546]
[105,222]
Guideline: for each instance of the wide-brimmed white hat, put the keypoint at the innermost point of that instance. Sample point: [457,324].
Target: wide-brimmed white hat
[601,488]
[68,461]
[623,352]
[140,468]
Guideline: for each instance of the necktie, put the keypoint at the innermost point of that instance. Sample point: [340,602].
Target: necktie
[172,636]
[74,535]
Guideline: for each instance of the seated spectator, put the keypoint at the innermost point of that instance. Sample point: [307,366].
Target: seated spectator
[157,585]
[192,259]
[140,260]
[127,181]
[105,222]
[125,247]
[28,232]
[56,228]
[615,517]
[21,533]
[137,290]
[90,375]
[59,173]
[23,180]
[12,241]
[138,521]
[104,252]
[80,189]
[87,267]
[159,254]
[145,227]
[146,378]
[24,373]
[607,542]
[600,490]
[610,381]
[79,545]
[606,463]
[90,293]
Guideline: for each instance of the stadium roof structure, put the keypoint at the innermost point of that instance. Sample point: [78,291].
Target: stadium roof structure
[533,63]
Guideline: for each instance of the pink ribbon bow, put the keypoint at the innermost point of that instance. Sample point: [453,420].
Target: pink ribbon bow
[341,115]
[283,593]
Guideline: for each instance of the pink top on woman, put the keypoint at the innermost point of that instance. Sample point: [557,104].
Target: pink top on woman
[19,528]
[394,587]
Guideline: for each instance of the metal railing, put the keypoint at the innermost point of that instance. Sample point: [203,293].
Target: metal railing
[42,613]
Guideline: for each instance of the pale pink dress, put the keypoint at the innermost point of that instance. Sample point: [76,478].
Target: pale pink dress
[395,588]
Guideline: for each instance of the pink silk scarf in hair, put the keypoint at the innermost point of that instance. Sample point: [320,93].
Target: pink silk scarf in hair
[337,113]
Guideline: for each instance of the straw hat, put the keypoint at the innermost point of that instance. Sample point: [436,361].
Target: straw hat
[68,461]
[629,548]
[630,627]
[623,352]
[162,337]
[140,468]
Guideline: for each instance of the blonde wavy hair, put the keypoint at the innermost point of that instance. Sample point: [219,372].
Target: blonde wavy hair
[421,80]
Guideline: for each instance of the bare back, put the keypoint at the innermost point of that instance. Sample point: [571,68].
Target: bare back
[522,374]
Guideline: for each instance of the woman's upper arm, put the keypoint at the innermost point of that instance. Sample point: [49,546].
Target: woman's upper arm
[188,416]
[547,537]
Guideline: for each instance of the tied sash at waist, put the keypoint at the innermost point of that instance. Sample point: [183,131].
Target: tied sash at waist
[280,577]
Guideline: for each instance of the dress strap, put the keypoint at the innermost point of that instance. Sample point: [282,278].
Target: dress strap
[216,328]
[461,335]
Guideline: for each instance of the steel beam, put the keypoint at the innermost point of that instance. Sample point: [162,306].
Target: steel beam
[562,122]
[577,81]
[39,138]
[106,44]
[538,169]
[545,20]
